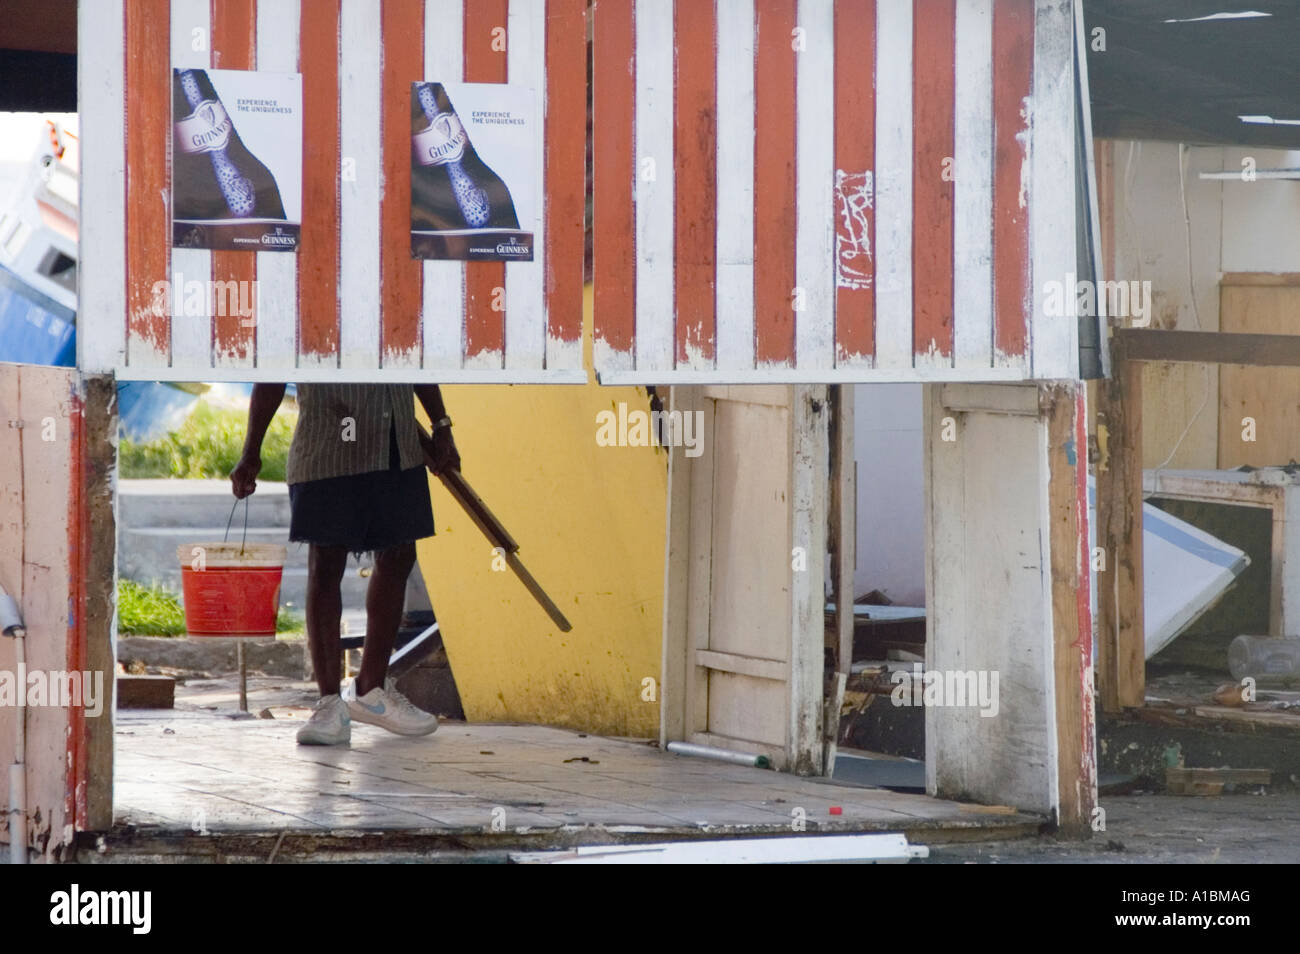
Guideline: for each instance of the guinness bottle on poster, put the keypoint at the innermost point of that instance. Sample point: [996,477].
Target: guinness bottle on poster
[460,208]
[223,196]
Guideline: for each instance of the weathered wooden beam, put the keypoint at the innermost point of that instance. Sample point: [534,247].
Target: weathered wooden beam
[145,692]
[1210,347]
[1261,279]
[842,529]
[1121,648]
[843,521]
[675,681]
[1064,408]
[98,545]
[809,476]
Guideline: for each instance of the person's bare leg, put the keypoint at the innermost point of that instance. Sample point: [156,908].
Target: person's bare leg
[384,600]
[325,566]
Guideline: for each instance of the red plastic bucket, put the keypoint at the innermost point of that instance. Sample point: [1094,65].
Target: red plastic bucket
[229,589]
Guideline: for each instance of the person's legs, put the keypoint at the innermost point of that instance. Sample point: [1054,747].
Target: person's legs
[325,566]
[384,601]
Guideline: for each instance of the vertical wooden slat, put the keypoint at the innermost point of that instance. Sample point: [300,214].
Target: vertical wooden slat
[695,152]
[191,328]
[855,163]
[277,272]
[485,28]
[566,160]
[614,262]
[1054,343]
[972,280]
[234,338]
[525,319]
[318,247]
[442,315]
[815,184]
[1013,73]
[775,295]
[734,299]
[655,186]
[360,97]
[893,182]
[148,180]
[933,84]
[400,275]
[101,335]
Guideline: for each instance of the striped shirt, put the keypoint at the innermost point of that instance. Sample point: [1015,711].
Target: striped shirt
[345,428]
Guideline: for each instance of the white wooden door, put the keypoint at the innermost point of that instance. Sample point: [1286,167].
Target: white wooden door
[743,624]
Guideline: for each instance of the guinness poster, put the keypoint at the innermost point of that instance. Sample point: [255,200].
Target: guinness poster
[236,160]
[473,169]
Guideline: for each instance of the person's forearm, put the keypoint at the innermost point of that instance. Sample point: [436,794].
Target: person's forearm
[431,397]
[262,406]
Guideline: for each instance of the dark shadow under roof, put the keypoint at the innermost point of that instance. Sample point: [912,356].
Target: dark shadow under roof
[1190,81]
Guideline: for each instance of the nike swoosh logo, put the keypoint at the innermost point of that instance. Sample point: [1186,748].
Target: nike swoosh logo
[377,710]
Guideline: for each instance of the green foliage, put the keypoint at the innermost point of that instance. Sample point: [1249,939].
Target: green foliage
[207,445]
[148,611]
[155,611]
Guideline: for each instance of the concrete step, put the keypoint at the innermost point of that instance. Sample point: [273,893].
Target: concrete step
[189,503]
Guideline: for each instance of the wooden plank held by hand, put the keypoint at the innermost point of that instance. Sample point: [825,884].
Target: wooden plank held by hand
[495,531]
[487,521]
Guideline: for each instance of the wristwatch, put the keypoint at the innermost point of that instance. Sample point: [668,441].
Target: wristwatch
[441,423]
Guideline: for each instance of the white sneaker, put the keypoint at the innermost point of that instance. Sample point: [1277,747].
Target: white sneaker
[329,724]
[388,709]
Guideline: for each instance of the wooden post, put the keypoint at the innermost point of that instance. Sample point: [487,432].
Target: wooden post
[842,530]
[97,557]
[843,522]
[1065,412]
[1121,648]
[677,650]
[809,475]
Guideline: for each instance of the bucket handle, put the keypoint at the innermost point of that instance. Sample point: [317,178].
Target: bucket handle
[229,519]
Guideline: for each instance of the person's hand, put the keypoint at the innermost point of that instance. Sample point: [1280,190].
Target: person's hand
[243,479]
[440,452]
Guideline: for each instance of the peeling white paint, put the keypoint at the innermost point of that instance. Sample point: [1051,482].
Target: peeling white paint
[1024,138]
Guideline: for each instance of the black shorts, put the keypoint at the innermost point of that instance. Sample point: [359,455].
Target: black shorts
[363,512]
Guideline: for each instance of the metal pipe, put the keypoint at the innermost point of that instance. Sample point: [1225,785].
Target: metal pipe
[722,755]
[11,624]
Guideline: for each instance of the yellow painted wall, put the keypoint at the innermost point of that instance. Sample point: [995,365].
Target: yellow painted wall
[590,524]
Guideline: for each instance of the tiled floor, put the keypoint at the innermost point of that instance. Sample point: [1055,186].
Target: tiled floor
[196,769]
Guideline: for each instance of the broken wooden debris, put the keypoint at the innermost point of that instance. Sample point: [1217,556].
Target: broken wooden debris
[145,692]
[1181,780]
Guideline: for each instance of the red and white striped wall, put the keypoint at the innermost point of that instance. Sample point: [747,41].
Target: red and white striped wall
[351,304]
[832,190]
